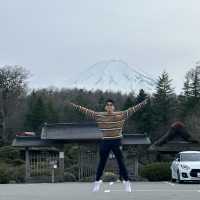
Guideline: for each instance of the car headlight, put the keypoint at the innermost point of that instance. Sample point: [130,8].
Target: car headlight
[185,167]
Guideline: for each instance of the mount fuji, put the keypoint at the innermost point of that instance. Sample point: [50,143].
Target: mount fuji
[113,75]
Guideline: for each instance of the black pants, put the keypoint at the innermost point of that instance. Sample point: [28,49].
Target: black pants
[105,147]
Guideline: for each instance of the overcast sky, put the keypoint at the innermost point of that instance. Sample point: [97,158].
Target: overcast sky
[55,39]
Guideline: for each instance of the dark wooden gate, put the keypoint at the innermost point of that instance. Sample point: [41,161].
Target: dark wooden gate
[43,165]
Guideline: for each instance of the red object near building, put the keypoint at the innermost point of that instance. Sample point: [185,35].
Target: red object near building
[26,133]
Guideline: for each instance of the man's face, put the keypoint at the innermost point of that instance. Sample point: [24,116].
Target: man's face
[109,107]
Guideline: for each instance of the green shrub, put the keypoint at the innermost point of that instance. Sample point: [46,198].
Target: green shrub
[45,172]
[158,171]
[9,173]
[74,169]
[18,174]
[12,168]
[88,179]
[4,173]
[9,153]
[109,176]
[17,162]
[69,177]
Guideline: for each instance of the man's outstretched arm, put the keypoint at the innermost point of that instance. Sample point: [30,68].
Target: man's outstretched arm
[127,113]
[88,112]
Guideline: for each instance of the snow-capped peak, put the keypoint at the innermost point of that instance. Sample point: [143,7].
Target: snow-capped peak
[113,75]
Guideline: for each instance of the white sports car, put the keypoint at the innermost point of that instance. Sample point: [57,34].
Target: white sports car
[186,166]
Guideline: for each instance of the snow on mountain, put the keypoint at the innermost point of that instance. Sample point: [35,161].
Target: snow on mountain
[113,75]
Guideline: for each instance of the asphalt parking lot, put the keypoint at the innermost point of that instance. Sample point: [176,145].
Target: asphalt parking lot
[115,191]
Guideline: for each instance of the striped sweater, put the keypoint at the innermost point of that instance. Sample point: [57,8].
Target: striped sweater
[110,124]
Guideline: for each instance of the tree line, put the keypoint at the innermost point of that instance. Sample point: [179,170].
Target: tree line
[25,109]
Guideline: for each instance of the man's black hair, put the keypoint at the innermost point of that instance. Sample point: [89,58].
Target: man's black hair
[110,100]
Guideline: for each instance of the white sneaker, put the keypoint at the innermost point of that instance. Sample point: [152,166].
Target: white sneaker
[127,186]
[97,185]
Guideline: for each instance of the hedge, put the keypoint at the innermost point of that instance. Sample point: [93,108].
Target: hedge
[109,177]
[69,177]
[4,173]
[158,171]
[10,173]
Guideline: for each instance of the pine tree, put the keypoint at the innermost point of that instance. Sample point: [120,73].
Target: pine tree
[190,107]
[129,124]
[101,102]
[164,102]
[192,83]
[128,103]
[52,114]
[196,83]
[191,90]
[187,85]
[143,119]
[37,113]
[141,96]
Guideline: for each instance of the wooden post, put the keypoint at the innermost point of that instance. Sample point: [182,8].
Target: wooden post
[27,157]
[79,164]
[136,165]
[61,163]
[52,173]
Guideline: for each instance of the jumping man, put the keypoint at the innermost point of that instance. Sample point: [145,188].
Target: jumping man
[110,123]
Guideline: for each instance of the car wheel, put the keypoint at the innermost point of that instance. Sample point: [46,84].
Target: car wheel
[179,177]
[172,179]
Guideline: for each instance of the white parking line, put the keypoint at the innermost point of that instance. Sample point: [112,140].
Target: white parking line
[117,191]
[166,190]
[111,183]
[156,190]
[109,186]
[169,183]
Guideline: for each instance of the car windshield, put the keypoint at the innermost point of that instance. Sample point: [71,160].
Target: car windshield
[190,157]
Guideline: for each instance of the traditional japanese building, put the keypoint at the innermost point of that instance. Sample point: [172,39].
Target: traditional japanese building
[44,154]
[175,140]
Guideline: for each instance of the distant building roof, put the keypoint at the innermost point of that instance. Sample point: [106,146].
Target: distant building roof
[73,132]
[176,139]
[26,141]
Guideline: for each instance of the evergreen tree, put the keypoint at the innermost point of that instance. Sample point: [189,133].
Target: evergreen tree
[196,83]
[101,102]
[141,96]
[128,103]
[143,119]
[164,102]
[37,113]
[187,85]
[191,90]
[52,114]
[192,83]
[129,126]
